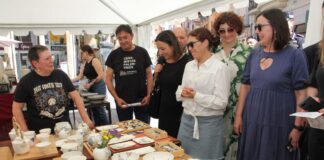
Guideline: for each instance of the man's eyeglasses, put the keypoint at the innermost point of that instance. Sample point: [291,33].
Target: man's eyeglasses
[223,31]
[191,44]
[260,26]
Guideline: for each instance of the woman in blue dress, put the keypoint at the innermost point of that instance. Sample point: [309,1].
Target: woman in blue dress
[273,83]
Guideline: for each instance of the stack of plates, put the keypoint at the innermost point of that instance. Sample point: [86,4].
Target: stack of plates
[85,96]
[95,99]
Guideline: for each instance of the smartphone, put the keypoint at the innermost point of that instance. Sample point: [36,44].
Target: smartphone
[310,104]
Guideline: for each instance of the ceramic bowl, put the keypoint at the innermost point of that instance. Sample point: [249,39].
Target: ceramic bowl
[67,155]
[43,146]
[68,147]
[78,158]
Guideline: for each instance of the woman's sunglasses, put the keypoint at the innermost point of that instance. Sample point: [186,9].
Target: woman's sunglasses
[223,31]
[260,26]
[191,44]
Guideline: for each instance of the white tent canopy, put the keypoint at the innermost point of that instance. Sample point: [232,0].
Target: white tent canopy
[58,16]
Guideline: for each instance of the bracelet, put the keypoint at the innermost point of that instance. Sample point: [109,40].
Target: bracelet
[299,128]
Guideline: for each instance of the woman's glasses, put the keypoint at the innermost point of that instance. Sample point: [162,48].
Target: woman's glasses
[223,31]
[191,44]
[260,26]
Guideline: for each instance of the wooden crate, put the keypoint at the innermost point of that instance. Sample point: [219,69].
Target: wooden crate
[133,125]
[155,133]
[168,146]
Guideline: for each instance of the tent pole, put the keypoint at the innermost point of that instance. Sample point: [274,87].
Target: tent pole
[115,11]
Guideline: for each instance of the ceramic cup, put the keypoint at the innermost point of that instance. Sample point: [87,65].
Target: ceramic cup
[45,130]
[68,147]
[77,139]
[42,137]
[30,135]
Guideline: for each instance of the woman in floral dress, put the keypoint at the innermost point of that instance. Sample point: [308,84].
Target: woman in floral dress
[228,27]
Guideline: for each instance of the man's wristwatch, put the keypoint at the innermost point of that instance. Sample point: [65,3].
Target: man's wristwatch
[299,128]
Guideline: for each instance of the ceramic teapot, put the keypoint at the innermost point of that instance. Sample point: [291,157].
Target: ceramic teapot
[63,129]
[21,146]
[94,139]
[83,129]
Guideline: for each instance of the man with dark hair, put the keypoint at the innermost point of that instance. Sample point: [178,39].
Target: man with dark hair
[45,90]
[130,65]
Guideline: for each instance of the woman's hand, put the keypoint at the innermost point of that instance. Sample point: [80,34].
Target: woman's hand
[188,92]
[145,101]
[87,85]
[294,136]
[238,125]
[158,68]
[90,124]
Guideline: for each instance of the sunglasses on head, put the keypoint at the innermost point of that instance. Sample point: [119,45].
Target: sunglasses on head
[260,26]
[191,44]
[223,31]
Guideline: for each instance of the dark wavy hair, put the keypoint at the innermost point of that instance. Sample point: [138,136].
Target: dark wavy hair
[169,38]
[231,19]
[87,48]
[204,34]
[278,22]
[124,27]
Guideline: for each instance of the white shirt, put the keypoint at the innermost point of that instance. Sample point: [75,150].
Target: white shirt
[211,82]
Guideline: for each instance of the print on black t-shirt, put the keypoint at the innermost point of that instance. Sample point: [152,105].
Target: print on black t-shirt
[128,66]
[50,100]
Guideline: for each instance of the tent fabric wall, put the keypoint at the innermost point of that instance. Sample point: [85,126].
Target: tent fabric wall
[314,33]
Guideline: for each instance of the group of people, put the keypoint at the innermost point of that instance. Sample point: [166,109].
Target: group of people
[220,98]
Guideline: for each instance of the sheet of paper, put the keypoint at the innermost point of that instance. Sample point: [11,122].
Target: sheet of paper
[311,115]
[317,122]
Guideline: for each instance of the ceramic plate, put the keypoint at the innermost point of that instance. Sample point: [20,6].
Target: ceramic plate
[125,156]
[88,94]
[143,140]
[121,139]
[59,143]
[106,127]
[142,151]
[158,156]
[123,145]
[97,97]
[96,101]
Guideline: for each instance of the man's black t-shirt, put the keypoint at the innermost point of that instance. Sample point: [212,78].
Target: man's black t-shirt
[46,98]
[129,70]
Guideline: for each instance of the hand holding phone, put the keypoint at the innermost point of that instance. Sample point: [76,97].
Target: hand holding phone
[311,104]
